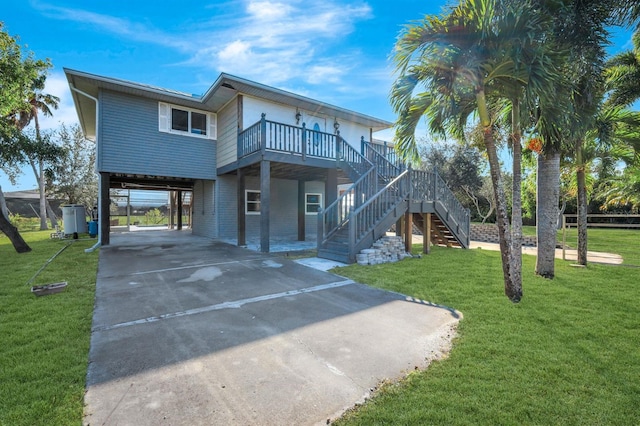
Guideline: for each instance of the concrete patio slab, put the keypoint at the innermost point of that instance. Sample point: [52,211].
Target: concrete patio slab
[190,331]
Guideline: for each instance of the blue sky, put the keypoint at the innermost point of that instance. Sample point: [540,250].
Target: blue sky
[334,51]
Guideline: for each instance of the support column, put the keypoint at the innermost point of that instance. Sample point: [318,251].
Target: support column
[242,223]
[408,231]
[331,193]
[331,187]
[400,227]
[265,204]
[105,202]
[172,197]
[426,233]
[179,210]
[301,211]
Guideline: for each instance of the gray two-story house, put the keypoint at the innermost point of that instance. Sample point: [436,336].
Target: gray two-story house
[260,163]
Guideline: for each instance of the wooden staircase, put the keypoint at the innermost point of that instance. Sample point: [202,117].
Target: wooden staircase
[382,193]
[441,235]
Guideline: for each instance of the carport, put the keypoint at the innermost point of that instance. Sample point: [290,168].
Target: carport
[108,181]
[189,330]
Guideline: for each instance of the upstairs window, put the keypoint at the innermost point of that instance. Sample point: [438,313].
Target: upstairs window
[176,119]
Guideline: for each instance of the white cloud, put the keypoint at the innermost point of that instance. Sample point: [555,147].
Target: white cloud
[267,10]
[275,42]
[319,74]
[119,26]
[270,41]
[236,51]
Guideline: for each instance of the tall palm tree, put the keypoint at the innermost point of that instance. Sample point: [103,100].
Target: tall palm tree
[584,25]
[551,119]
[36,103]
[464,62]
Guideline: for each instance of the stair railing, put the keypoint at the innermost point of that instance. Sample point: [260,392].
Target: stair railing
[387,170]
[429,186]
[364,219]
[337,214]
[349,158]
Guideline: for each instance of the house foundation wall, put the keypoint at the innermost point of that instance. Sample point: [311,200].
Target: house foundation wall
[284,208]
[204,209]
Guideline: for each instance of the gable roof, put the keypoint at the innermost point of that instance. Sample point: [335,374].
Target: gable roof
[225,88]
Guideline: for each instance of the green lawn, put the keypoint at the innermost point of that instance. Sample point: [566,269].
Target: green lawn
[45,340]
[569,353]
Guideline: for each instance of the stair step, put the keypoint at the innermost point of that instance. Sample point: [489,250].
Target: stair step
[336,246]
[331,255]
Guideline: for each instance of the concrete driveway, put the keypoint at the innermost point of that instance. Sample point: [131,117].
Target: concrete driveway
[190,331]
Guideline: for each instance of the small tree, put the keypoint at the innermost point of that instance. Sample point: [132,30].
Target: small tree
[74,177]
[154,217]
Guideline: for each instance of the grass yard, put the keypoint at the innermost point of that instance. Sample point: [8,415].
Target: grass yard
[568,354]
[45,340]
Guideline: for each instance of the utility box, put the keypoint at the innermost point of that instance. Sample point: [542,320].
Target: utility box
[74,219]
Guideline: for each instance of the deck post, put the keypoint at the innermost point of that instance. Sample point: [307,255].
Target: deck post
[179,210]
[172,198]
[301,211]
[105,202]
[265,204]
[426,233]
[408,231]
[239,114]
[242,225]
[331,194]
[263,133]
[303,142]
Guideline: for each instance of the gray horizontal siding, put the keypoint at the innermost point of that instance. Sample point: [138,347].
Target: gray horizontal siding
[130,142]
[284,209]
[204,209]
[227,206]
[228,134]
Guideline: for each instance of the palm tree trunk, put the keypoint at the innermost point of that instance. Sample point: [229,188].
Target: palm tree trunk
[502,218]
[39,174]
[40,177]
[547,198]
[516,207]
[43,197]
[582,206]
[52,215]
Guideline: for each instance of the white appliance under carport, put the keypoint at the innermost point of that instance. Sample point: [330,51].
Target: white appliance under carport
[74,219]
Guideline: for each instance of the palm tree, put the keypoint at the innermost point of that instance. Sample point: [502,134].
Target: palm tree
[551,119]
[37,102]
[623,75]
[616,137]
[623,190]
[463,62]
[584,24]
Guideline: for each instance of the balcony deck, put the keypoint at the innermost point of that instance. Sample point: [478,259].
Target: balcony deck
[295,152]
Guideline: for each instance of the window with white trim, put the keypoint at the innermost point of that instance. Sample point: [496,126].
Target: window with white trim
[186,121]
[251,201]
[312,203]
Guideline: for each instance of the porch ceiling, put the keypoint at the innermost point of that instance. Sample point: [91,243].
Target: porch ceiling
[148,182]
[295,172]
